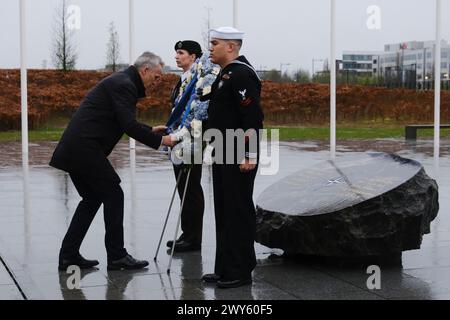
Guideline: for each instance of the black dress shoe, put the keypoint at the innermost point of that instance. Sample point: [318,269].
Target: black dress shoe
[211,277]
[225,284]
[79,261]
[170,242]
[127,263]
[184,246]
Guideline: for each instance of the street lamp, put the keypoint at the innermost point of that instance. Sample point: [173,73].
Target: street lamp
[235,13]
[208,10]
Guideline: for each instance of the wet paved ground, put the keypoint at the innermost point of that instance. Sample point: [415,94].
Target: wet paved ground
[8,289]
[36,205]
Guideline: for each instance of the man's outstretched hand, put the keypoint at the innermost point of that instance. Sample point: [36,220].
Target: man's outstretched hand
[169,140]
[159,130]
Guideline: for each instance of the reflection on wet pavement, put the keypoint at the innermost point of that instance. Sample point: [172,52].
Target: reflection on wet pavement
[36,204]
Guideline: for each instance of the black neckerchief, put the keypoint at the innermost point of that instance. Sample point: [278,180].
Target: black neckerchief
[242,59]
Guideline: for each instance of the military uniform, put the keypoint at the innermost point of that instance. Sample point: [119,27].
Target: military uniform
[194,204]
[235,104]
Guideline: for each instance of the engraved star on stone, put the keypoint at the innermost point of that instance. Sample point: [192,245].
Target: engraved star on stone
[335,181]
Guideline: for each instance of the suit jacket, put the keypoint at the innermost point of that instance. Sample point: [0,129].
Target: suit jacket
[106,113]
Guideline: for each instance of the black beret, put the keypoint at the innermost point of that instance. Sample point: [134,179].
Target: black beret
[190,46]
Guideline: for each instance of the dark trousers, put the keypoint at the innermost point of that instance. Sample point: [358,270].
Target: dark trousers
[95,190]
[235,221]
[194,203]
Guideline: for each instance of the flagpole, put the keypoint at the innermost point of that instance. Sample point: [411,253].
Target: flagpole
[333,80]
[131,47]
[23,81]
[437,81]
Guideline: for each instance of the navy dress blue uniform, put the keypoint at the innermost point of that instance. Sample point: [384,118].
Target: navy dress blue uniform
[235,104]
[106,113]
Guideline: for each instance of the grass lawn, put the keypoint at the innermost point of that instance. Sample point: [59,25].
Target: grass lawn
[348,132]
[47,134]
[288,133]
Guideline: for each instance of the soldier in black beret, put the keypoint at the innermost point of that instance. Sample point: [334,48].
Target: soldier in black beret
[190,46]
[187,52]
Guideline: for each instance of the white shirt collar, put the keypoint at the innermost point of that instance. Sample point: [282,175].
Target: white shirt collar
[184,76]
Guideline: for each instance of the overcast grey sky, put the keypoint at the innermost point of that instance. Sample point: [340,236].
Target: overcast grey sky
[281,31]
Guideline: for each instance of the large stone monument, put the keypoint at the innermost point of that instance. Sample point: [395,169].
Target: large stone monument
[361,204]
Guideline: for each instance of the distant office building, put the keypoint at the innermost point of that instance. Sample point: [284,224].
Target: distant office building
[413,56]
[361,62]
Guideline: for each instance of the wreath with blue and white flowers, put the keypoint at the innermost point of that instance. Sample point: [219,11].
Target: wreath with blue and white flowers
[193,90]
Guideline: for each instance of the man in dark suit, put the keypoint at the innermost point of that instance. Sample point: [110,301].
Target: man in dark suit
[106,113]
[187,52]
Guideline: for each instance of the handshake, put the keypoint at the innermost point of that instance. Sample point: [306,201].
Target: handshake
[168,140]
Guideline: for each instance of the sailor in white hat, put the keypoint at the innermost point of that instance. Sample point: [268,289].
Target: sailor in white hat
[225,45]
[227,33]
[234,104]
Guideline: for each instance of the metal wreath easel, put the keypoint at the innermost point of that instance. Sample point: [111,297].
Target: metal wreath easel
[179,216]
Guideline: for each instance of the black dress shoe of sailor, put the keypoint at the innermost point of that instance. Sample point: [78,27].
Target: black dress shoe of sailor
[211,277]
[127,263]
[225,284]
[185,246]
[79,261]
[170,242]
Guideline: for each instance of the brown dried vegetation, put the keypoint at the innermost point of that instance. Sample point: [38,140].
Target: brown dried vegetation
[56,93]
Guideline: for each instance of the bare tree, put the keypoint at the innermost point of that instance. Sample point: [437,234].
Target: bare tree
[272,75]
[113,49]
[302,76]
[64,51]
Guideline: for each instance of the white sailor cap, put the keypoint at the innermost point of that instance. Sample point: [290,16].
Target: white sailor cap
[227,33]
